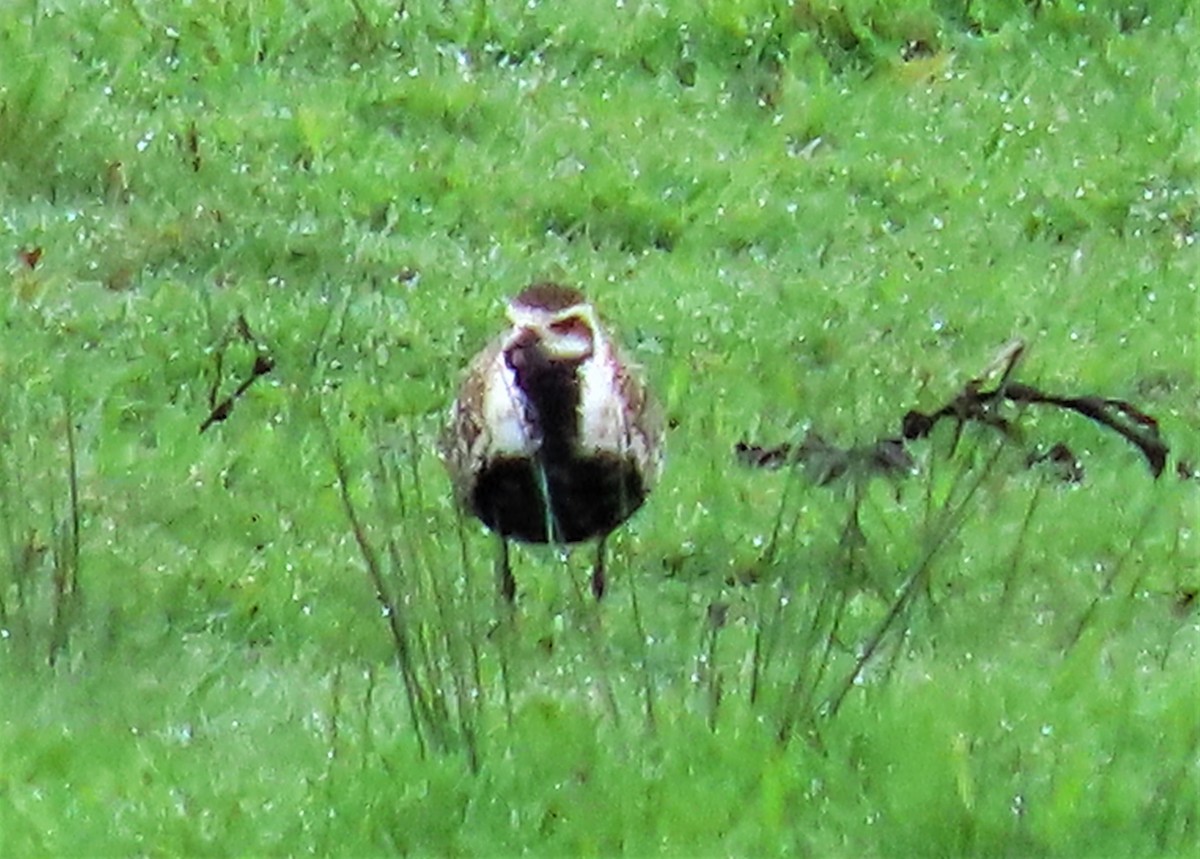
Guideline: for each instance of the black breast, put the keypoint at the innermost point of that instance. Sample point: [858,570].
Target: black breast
[588,497]
[552,395]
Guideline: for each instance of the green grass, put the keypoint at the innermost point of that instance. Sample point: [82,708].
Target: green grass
[797,215]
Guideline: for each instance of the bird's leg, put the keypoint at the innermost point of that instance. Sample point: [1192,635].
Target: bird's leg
[506,592]
[506,585]
[598,577]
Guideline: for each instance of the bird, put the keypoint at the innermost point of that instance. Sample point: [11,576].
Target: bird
[553,436]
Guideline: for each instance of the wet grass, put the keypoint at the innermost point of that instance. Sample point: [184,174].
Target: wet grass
[277,636]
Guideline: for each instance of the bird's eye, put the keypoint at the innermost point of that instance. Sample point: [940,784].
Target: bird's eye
[571,326]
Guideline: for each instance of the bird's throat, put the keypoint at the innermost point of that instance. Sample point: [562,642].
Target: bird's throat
[552,397]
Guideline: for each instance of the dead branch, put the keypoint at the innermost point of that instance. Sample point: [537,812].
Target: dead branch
[825,462]
[263,364]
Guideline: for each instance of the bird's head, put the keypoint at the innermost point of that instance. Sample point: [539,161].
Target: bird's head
[555,320]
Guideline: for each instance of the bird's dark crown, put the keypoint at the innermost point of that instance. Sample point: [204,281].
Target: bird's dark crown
[549,296]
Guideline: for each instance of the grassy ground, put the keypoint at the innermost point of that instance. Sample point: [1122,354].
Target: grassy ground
[798,215]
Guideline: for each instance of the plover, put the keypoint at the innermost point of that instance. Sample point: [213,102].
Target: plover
[553,437]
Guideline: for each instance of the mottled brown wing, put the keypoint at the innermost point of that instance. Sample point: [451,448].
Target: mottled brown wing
[645,425]
[463,438]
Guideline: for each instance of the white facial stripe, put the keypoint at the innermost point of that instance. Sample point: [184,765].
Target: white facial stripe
[571,344]
[525,317]
[538,318]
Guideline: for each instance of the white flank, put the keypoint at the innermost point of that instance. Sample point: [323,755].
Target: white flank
[603,424]
[507,432]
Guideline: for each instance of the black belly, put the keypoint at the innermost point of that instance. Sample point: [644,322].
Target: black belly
[588,497]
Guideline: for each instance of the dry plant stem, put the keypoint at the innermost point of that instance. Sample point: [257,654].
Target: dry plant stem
[368,707]
[592,634]
[73,485]
[418,702]
[766,634]
[67,594]
[13,544]
[506,621]
[917,581]
[707,660]
[825,625]
[1105,593]
[464,669]
[474,703]
[1169,791]
[768,555]
[333,742]
[715,685]
[440,639]
[467,578]
[1018,551]
[314,360]
[647,684]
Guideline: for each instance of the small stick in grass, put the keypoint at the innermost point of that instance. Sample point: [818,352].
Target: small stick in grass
[263,364]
